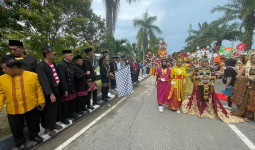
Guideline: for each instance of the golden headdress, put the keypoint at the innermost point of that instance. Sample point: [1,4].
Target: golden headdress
[179,59]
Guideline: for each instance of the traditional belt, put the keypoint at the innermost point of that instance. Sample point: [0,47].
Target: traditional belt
[178,77]
[165,79]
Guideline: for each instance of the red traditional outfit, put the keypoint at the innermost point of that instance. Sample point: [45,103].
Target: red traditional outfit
[163,85]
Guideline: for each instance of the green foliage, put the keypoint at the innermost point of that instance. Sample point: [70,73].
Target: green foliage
[244,11]
[211,34]
[62,24]
[147,31]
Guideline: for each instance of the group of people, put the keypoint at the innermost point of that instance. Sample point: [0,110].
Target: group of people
[191,89]
[47,93]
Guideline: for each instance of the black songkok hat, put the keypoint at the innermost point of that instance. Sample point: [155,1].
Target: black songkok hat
[87,50]
[15,43]
[67,51]
[77,57]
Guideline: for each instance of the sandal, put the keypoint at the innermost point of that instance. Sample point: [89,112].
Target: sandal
[50,132]
[58,127]
[246,119]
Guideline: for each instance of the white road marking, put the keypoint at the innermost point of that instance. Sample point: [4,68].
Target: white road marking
[242,137]
[66,143]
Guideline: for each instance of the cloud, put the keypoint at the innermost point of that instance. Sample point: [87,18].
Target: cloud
[174,18]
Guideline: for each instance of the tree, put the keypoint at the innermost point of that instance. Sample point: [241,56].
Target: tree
[63,24]
[147,31]
[243,10]
[112,8]
[211,34]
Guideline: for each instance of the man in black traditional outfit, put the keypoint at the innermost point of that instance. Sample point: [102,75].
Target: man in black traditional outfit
[48,77]
[104,54]
[80,85]
[105,74]
[67,87]
[91,78]
[16,47]
[113,68]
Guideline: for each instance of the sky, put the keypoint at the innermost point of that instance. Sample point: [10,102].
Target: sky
[174,18]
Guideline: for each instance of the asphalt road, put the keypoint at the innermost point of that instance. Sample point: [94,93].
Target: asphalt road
[135,123]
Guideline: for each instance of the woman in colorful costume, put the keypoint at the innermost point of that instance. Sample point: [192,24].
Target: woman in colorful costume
[163,84]
[189,74]
[204,101]
[177,93]
[244,90]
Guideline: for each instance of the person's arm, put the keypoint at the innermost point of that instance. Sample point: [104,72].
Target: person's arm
[62,77]
[2,97]
[228,82]
[43,79]
[240,73]
[39,93]
[78,74]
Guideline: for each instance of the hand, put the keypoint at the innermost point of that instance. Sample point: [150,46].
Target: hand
[251,78]
[88,72]
[42,105]
[66,93]
[52,98]
[183,84]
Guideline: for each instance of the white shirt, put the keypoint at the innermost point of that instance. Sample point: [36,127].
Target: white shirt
[118,65]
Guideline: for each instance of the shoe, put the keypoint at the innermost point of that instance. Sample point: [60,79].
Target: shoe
[106,99]
[75,116]
[50,132]
[22,147]
[91,107]
[66,122]
[58,127]
[160,109]
[230,108]
[37,139]
[178,111]
[85,109]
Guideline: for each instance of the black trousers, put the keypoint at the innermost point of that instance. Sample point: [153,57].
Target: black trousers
[65,109]
[50,113]
[81,102]
[229,102]
[16,123]
[113,83]
[94,92]
[73,106]
[105,91]
[136,75]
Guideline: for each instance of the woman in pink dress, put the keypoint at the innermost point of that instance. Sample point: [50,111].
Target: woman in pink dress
[163,84]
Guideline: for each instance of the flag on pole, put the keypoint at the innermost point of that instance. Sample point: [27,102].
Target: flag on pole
[124,81]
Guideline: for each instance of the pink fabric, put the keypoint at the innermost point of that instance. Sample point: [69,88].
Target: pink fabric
[134,66]
[163,88]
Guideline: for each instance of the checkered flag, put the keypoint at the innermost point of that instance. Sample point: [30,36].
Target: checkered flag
[124,81]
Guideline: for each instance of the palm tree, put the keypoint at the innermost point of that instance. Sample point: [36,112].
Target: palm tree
[222,32]
[243,10]
[197,37]
[112,8]
[210,33]
[146,31]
